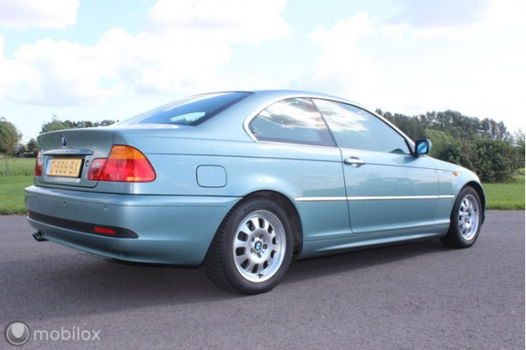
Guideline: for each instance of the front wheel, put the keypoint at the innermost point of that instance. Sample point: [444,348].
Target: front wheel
[466,219]
[253,248]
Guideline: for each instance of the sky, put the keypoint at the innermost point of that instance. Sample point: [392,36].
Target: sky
[99,59]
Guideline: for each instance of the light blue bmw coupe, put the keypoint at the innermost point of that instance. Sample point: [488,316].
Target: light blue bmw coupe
[244,181]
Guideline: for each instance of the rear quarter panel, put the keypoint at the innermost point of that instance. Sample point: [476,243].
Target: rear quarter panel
[292,170]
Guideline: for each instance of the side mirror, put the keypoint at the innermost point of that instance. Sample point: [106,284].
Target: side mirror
[422,147]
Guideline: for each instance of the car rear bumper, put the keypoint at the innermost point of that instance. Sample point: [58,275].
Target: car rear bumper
[157,229]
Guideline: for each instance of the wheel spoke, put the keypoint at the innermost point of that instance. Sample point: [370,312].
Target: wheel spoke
[244,228]
[249,266]
[240,259]
[255,222]
[241,244]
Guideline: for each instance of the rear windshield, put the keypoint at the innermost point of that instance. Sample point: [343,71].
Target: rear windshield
[192,110]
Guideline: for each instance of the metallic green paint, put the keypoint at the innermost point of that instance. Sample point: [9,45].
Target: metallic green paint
[389,198]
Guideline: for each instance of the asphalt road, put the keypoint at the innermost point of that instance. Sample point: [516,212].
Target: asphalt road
[413,296]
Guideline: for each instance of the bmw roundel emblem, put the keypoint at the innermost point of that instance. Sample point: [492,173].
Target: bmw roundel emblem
[63,140]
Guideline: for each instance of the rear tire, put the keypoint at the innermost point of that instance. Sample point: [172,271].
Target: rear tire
[253,247]
[465,220]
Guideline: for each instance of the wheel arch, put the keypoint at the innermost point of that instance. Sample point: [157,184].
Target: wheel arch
[287,205]
[478,187]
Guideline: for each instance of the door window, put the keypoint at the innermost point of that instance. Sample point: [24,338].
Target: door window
[356,128]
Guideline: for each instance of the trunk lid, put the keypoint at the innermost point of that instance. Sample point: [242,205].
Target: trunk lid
[67,154]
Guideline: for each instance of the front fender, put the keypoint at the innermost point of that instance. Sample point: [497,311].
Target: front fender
[452,179]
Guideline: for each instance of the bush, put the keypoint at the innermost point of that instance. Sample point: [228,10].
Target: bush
[448,148]
[493,160]
[484,146]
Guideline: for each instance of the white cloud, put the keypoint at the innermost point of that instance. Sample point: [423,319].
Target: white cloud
[429,15]
[504,14]
[475,68]
[342,66]
[231,21]
[455,18]
[175,55]
[17,14]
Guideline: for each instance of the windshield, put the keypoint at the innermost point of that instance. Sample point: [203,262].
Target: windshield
[192,110]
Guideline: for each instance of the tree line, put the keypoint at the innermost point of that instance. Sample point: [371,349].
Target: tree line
[57,124]
[482,145]
[10,137]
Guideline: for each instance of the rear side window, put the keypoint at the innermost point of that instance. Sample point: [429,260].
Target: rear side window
[294,120]
[356,128]
[192,110]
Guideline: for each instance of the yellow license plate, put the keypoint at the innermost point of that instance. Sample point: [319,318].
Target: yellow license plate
[65,167]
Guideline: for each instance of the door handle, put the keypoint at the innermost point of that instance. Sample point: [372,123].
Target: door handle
[354,161]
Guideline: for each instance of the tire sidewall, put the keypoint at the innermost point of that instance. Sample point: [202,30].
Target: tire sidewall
[230,230]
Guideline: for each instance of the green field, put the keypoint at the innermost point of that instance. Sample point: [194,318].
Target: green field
[12,193]
[17,166]
[505,195]
[12,186]
[498,195]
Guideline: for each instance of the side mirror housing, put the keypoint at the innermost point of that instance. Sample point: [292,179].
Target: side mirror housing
[422,147]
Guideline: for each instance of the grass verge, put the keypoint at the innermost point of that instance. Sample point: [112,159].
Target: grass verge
[506,196]
[12,193]
[16,166]
[20,175]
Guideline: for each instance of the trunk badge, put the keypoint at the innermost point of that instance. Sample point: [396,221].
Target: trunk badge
[63,140]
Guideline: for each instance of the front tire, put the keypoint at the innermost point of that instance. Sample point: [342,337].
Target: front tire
[252,249]
[465,220]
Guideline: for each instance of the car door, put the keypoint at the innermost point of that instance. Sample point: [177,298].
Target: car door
[303,161]
[389,191]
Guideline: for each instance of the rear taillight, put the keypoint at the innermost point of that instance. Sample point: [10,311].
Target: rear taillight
[104,230]
[38,165]
[124,164]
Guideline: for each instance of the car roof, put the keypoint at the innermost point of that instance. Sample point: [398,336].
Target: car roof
[230,120]
[286,93]
[257,100]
